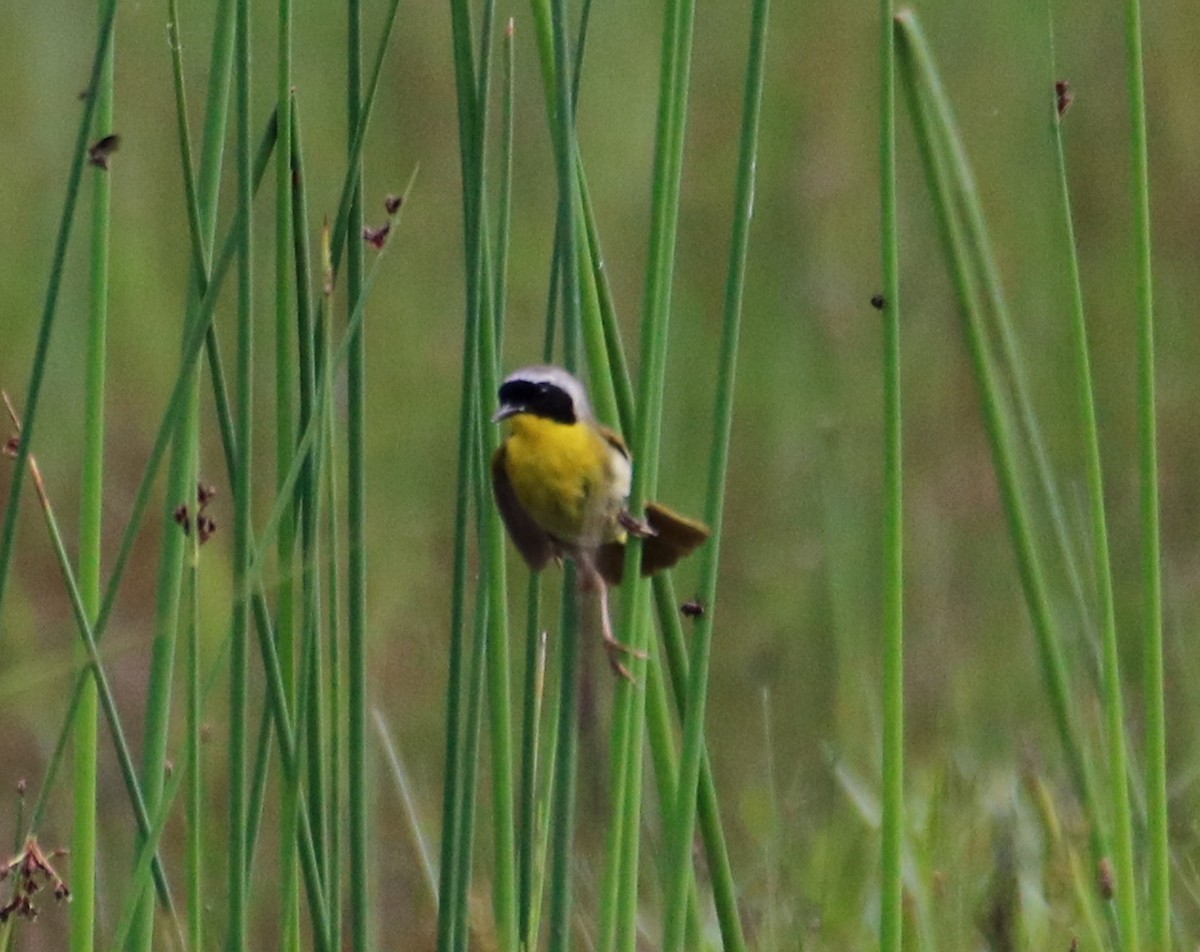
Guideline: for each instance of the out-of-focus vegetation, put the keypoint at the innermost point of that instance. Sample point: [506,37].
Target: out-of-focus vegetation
[799,599]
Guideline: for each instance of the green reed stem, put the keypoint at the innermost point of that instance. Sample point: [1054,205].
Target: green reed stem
[504,887]
[545,799]
[214,123]
[285,384]
[167,426]
[351,185]
[1159,911]
[238,899]
[83,840]
[681,828]
[472,93]
[146,851]
[661,733]
[933,122]
[1007,361]
[356,515]
[531,719]
[301,451]
[1114,706]
[534,668]
[180,500]
[201,208]
[93,669]
[562,133]
[476,693]
[203,687]
[451,888]
[408,802]
[195,813]
[891,929]
[618,907]
[337,691]
[613,395]
[458,792]
[322,721]
[49,310]
[504,215]
[565,747]
[276,693]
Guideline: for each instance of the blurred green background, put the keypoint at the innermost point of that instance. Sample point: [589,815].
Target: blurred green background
[798,614]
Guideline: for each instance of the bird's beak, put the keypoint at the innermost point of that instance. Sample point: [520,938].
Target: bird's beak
[506,410]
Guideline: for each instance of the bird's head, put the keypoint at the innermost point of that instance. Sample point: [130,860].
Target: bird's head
[544,391]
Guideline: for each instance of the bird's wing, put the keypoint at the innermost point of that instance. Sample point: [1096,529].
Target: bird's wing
[674,536]
[669,538]
[610,562]
[613,439]
[533,542]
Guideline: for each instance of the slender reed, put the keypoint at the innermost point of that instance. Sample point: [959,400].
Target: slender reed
[891,884]
[94,668]
[682,826]
[322,723]
[285,600]
[562,132]
[92,634]
[50,309]
[276,707]
[83,842]
[531,719]
[612,392]
[619,906]
[480,385]
[1159,908]
[337,691]
[492,535]
[1114,707]
[195,813]
[476,680]
[451,887]
[356,516]
[238,662]
[932,119]
[146,852]
[204,200]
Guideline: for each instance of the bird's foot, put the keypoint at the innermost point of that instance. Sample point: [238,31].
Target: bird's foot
[615,650]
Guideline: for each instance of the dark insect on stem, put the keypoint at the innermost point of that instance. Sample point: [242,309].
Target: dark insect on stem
[99,151]
[206,526]
[377,237]
[1105,878]
[205,494]
[1063,96]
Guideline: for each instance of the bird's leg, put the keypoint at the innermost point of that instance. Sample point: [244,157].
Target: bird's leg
[614,648]
[635,526]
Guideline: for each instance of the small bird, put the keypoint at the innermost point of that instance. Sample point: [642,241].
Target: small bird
[561,482]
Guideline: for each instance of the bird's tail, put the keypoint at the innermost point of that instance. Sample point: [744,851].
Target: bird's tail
[671,537]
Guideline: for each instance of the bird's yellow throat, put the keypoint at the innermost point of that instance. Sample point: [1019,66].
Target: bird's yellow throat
[562,474]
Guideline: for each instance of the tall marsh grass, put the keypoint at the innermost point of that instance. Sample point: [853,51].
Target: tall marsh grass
[254,798]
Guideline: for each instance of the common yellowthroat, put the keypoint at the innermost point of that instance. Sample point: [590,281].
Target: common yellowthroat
[561,482]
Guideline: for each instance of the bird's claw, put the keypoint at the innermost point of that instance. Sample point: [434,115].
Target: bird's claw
[615,649]
[636,526]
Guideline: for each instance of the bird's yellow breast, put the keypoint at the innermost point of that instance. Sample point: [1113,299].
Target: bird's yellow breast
[568,477]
